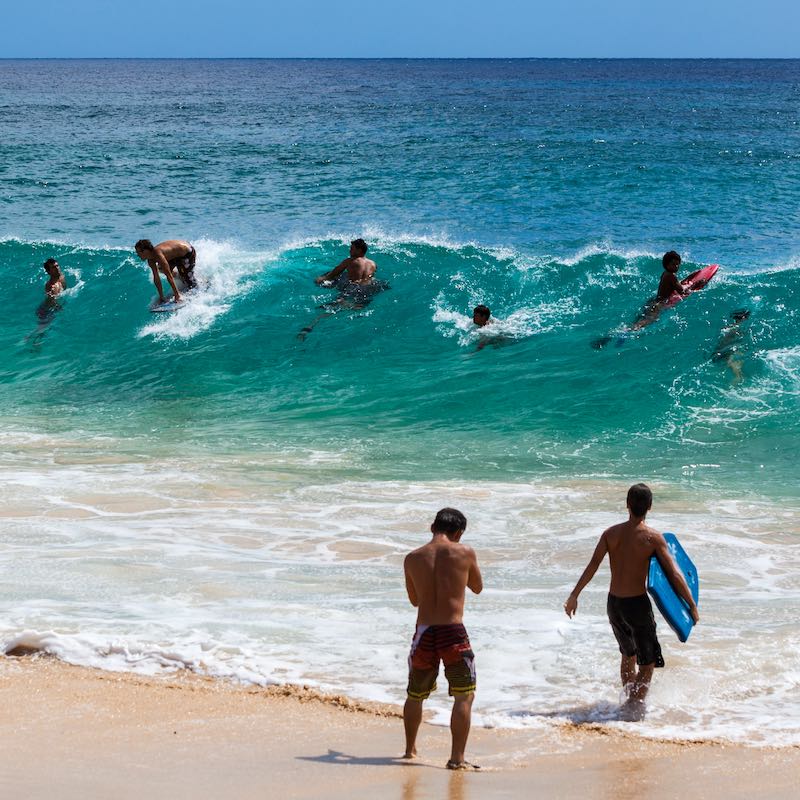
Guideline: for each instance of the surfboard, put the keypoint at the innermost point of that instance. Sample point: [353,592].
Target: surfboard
[672,607]
[158,308]
[694,282]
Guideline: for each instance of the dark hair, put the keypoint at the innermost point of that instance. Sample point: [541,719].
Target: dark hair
[449,520]
[143,244]
[670,258]
[740,315]
[51,262]
[361,245]
[640,499]
[483,311]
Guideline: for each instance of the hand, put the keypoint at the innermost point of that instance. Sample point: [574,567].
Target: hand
[176,298]
[695,614]
[320,280]
[571,606]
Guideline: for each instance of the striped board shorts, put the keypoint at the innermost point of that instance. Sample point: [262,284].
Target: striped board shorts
[435,643]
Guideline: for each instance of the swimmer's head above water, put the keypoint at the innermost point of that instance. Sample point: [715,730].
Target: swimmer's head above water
[52,268]
[671,261]
[358,248]
[481,315]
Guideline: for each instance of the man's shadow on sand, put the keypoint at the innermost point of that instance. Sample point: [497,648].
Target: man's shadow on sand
[337,757]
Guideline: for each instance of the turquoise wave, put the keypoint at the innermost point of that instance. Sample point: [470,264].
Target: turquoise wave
[400,388]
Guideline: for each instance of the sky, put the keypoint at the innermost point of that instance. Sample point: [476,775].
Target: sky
[401,28]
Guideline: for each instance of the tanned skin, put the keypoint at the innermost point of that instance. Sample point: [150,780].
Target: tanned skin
[437,576]
[360,269]
[158,260]
[57,282]
[629,546]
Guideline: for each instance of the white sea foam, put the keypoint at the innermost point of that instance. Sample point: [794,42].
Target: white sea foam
[223,273]
[231,567]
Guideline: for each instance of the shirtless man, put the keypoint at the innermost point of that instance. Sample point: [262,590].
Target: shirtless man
[57,282]
[629,546]
[437,575]
[167,257]
[355,292]
[360,269]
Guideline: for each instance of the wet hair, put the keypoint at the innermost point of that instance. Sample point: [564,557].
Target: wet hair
[449,520]
[482,311]
[640,499]
[361,245]
[670,258]
[51,262]
[143,244]
[740,315]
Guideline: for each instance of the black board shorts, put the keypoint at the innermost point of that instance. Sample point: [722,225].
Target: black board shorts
[185,266]
[634,627]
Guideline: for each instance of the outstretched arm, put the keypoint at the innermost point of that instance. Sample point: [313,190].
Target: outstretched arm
[334,273]
[571,606]
[675,576]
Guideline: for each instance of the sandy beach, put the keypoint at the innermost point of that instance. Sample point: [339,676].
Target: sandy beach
[73,732]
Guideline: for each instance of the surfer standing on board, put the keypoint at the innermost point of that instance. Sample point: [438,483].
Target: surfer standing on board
[629,546]
[437,576]
[171,256]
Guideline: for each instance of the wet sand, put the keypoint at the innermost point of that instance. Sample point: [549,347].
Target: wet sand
[72,732]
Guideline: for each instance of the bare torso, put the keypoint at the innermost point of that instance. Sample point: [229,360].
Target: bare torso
[173,248]
[55,286]
[360,270]
[438,574]
[630,545]
[668,284]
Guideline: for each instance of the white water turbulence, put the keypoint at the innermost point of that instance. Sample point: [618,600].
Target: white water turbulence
[273,567]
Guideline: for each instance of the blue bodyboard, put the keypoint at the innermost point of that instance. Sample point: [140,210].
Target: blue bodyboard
[672,607]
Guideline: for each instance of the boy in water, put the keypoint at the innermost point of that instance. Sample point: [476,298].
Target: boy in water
[437,576]
[629,546]
[57,282]
[668,284]
[481,316]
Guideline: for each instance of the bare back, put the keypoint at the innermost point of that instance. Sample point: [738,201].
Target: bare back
[173,248]
[630,546]
[360,270]
[437,576]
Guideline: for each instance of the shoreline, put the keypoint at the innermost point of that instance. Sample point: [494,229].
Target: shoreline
[87,732]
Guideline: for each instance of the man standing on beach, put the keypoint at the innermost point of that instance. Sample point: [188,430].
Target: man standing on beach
[437,575]
[629,546]
[173,254]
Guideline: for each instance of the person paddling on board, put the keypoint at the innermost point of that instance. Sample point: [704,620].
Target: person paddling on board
[169,257]
[667,286]
[357,287]
[437,576]
[629,546]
